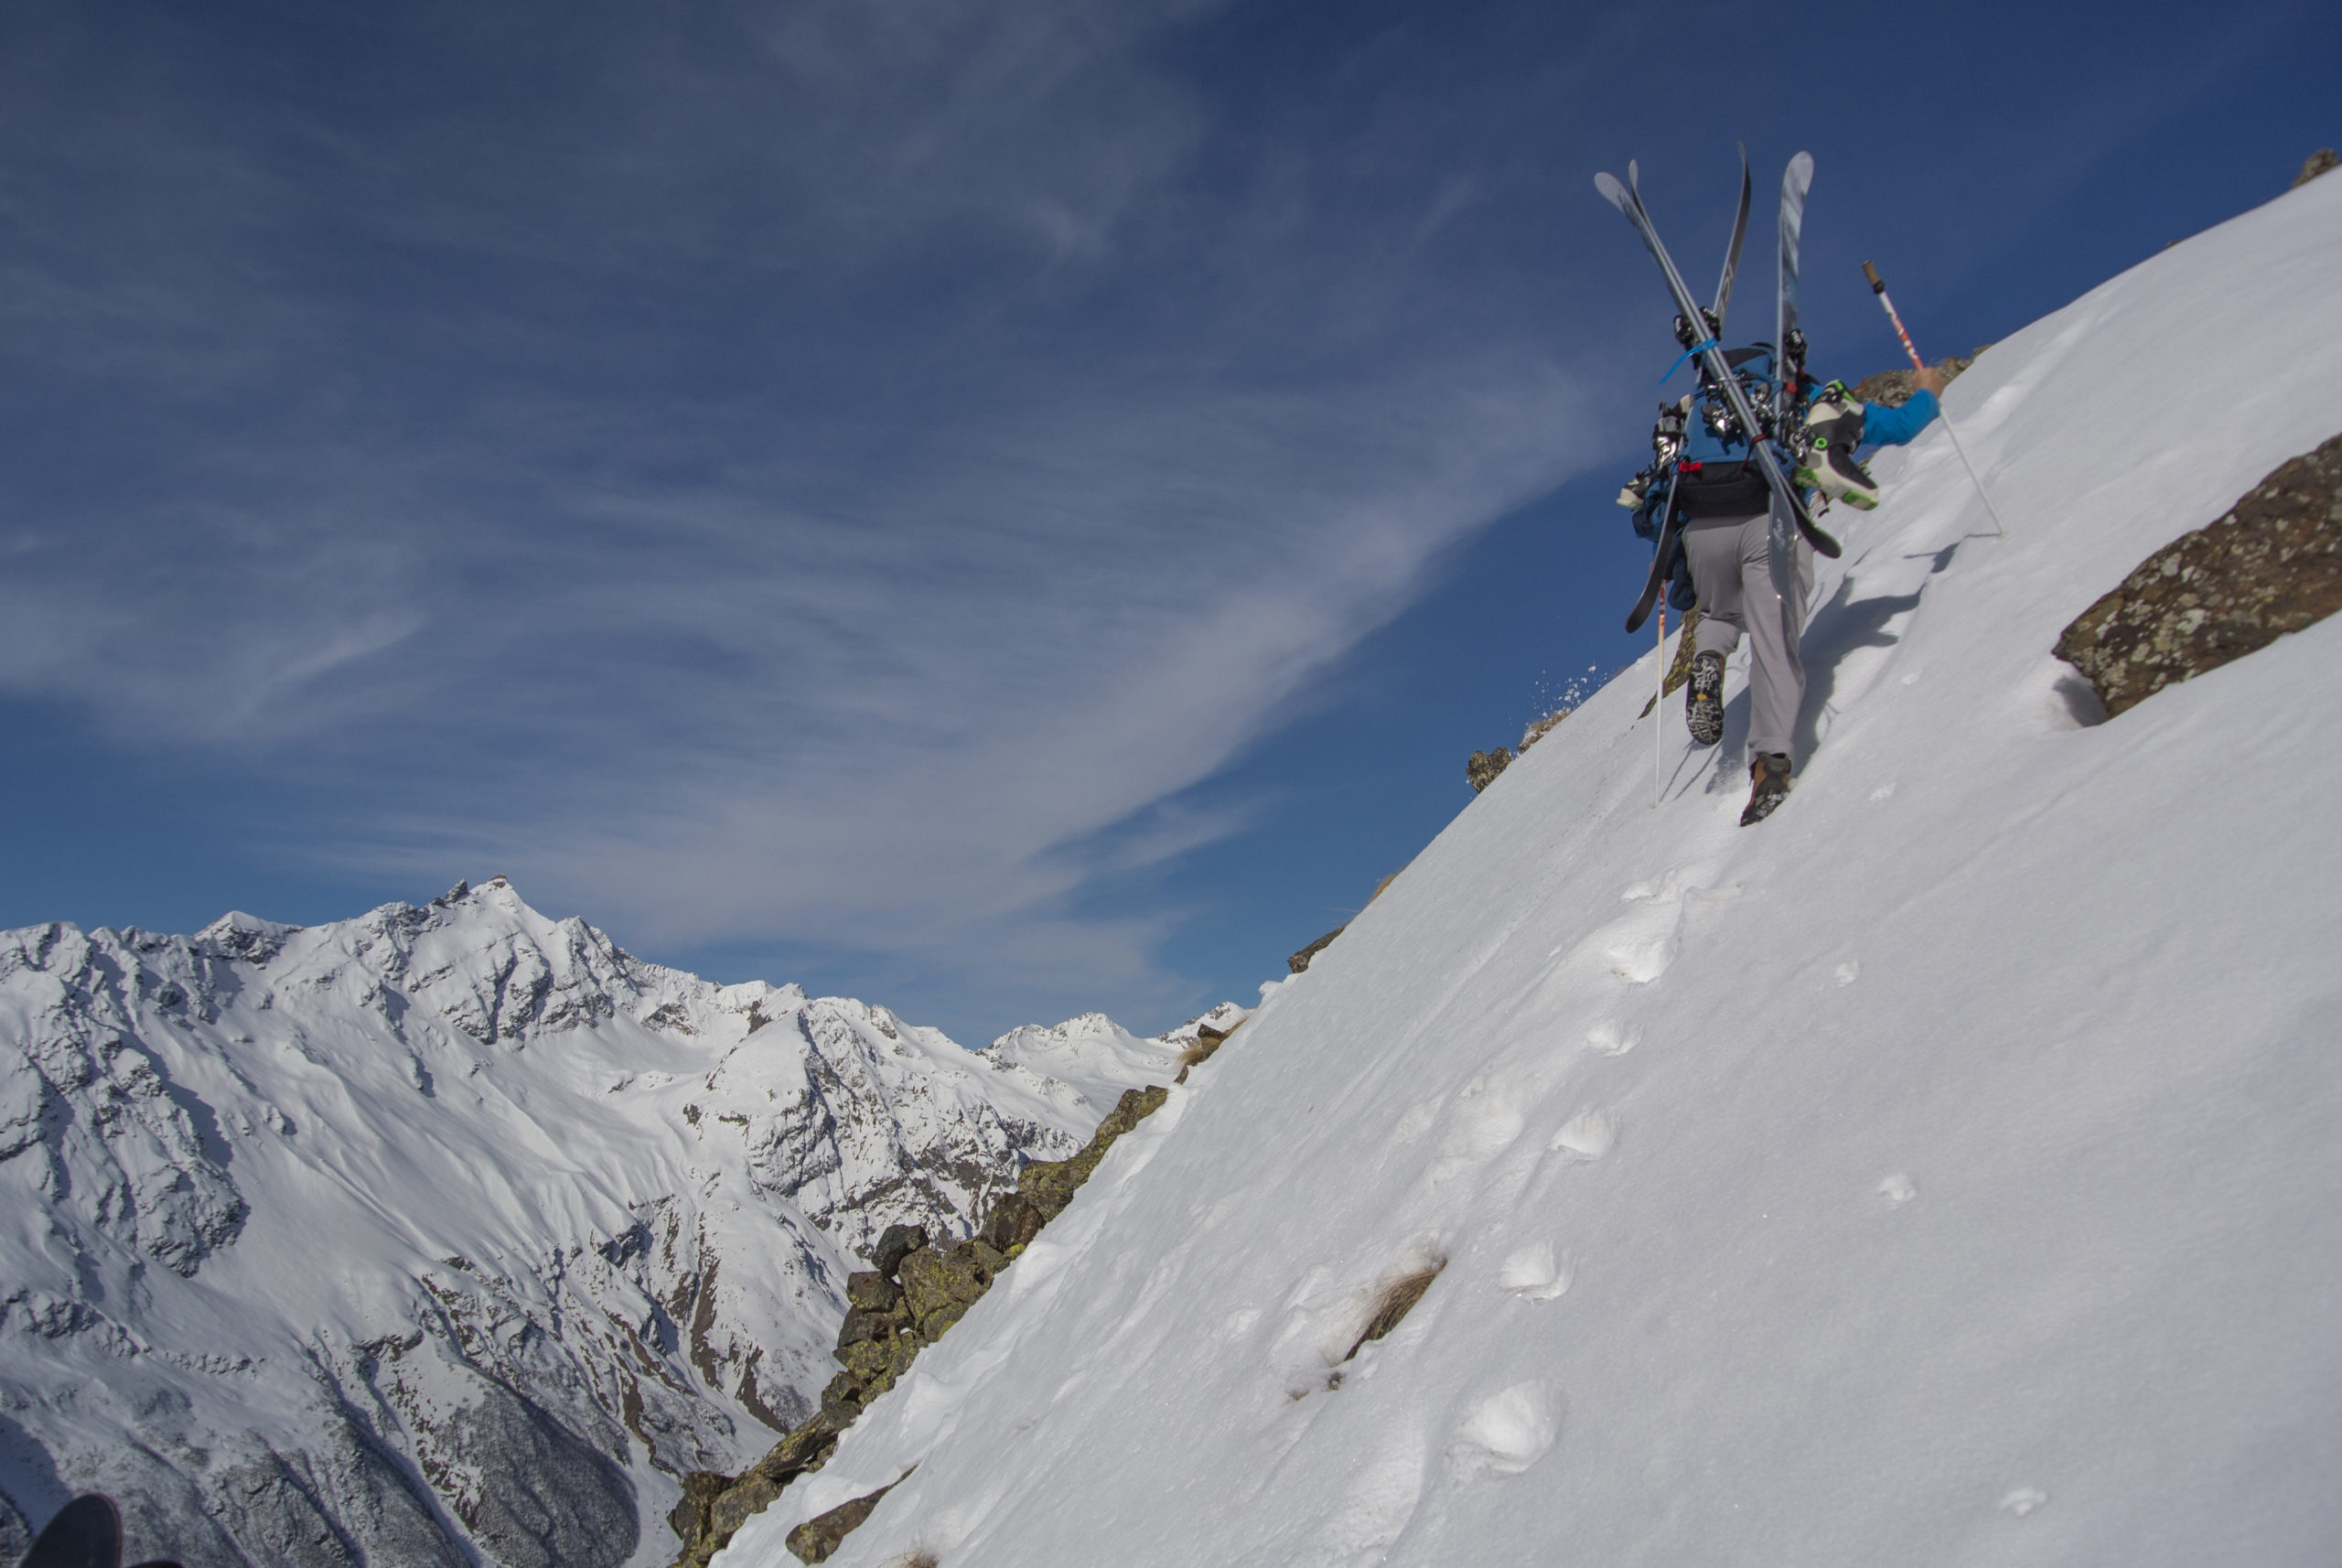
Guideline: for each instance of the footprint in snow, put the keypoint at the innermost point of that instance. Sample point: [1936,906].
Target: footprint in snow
[1536,1272]
[1612,1038]
[1589,1135]
[1506,1433]
[1379,1502]
[1640,945]
[1481,1123]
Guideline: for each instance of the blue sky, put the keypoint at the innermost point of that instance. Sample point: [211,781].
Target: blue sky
[1002,509]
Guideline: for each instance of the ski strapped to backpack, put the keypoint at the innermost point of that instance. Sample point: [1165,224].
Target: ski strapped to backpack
[1698,331]
[1667,440]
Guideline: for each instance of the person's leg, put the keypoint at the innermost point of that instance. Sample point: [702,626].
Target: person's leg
[1712,549]
[1776,675]
[1712,545]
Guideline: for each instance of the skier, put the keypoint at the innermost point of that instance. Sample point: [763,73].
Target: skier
[1723,512]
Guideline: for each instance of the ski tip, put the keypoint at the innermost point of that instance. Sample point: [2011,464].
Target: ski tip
[1634,176]
[1801,168]
[1744,154]
[86,1531]
[1612,191]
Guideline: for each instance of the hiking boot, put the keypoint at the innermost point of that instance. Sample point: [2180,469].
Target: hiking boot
[1703,708]
[1769,782]
[1834,428]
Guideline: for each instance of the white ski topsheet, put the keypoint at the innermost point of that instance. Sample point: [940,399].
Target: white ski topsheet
[1943,1172]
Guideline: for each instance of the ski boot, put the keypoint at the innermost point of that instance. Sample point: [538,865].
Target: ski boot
[1703,700]
[1834,428]
[1769,782]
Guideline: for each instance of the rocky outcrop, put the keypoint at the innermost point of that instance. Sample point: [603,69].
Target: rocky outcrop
[1049,1185]
[2270,564]
[813,1540]
[909,1298]
[2317,162]
[1299,962]
[1893,389]
[1207,1041]
[1481,769]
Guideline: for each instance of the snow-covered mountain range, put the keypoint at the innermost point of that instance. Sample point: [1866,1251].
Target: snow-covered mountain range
[454,1234]
[1942,1171]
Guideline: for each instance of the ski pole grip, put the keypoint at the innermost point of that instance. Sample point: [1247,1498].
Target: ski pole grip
[1877,283]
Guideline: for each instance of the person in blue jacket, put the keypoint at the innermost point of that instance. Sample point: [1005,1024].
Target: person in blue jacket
[1726,553]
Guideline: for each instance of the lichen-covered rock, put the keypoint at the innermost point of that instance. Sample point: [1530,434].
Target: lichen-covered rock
[2319,162]
[872,1361]
[2270,564]
[864,1323]
[872,1289]
[813,1540]
[1049,1185]
[688,1519]
[896,1243]
[715,1507]
[842,1400]
[736,1505]
[1014,1221]
[934,1282]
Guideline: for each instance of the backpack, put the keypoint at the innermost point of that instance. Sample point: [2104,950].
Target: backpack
[1716,472]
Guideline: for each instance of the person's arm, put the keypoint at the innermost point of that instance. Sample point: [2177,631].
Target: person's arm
[1647,519]
[1883,426]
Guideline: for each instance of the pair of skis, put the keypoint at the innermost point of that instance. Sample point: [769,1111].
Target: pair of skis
[1789,516]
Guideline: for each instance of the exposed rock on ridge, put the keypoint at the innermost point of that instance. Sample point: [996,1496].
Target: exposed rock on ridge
[910,1298]
[2268,565]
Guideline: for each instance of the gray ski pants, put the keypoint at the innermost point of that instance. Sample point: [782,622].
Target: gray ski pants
[1731,568]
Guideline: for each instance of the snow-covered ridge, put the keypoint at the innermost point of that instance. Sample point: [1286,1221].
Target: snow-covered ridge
[450,1228]
[1942,1171]
[1095,1056]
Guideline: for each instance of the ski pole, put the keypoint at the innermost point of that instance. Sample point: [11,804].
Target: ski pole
[1878,288]
[1658,713]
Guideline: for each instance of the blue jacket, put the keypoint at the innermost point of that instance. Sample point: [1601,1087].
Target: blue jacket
[1883,426]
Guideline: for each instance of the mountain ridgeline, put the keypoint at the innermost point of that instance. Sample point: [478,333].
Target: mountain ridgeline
[453,1233]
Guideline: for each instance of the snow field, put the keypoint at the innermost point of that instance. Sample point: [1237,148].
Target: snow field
[1940,1172]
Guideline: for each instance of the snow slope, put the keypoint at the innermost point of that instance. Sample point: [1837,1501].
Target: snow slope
[1943,1170]
[443,1230]
[1100,1058]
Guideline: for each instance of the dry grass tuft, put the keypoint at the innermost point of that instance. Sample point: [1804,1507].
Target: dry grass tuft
[1207,1040]
[1397,1298]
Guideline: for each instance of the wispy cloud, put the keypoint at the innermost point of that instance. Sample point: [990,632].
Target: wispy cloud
[833,475]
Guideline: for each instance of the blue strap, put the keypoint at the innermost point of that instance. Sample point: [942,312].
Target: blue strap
[1694,349]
